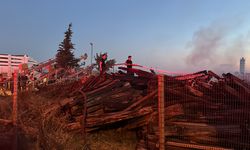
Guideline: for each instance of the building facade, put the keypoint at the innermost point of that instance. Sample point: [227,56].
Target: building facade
[242,65]
[9,63]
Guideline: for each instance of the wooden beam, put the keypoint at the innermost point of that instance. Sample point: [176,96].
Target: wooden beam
[149,96]
[5,122]
[195,146]
[161,112]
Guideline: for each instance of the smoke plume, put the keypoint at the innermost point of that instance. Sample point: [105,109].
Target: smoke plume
[211,48]
[205,45]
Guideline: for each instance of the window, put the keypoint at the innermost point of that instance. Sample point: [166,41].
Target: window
[3,57]
[16,59]
[15,65]
[14,62]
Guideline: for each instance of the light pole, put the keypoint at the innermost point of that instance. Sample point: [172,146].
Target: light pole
[91,44]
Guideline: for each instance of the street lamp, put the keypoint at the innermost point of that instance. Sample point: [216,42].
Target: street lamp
[91,44]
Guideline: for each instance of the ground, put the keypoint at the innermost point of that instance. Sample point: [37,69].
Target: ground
[37,132]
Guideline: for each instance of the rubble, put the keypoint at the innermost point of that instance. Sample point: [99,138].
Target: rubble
[201,109]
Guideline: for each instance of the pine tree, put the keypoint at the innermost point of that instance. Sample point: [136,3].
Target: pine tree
[65,56]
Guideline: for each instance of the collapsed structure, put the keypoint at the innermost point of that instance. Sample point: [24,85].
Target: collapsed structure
[202,110]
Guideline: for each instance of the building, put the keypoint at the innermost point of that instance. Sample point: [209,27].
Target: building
[9,63]
[242,65]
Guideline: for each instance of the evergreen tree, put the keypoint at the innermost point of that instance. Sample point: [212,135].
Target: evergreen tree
[65,56]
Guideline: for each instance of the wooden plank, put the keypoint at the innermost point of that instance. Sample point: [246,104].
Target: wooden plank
[108,118]
[191,76]
[5,122]
[194,91]
[186,97]
[139,72]
[174,110]
[94,108]
[195,146]
[149,96]
[74,126]
[213,75]
[103,89]
[84,114]
[233,92]
[237,80]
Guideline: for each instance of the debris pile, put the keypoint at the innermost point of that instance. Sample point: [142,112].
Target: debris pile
[201,109]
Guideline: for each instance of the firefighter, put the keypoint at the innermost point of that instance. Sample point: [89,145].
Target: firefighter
[102,64]
[129,64]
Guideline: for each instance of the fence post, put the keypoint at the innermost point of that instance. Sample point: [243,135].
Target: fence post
[161,112]
[14,113]
[15,86]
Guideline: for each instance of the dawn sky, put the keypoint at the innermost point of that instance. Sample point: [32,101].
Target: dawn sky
[175,35]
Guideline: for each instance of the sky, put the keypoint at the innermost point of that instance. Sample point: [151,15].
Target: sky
[173,35]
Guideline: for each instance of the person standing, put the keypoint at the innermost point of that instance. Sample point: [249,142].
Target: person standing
[129,65]
[102,64]
[129,62]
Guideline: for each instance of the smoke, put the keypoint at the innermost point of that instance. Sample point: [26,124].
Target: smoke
[205,45]
[228,60]
[214,48]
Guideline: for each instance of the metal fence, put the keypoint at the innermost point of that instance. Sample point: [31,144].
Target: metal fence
[206,111]
[202,110]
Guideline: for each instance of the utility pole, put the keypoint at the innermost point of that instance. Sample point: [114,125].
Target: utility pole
[91,44]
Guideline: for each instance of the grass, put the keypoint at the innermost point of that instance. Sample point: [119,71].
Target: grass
[112,140]
[5,107]
[37,132]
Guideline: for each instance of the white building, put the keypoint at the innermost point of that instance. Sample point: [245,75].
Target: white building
[242,65]
[9,63]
